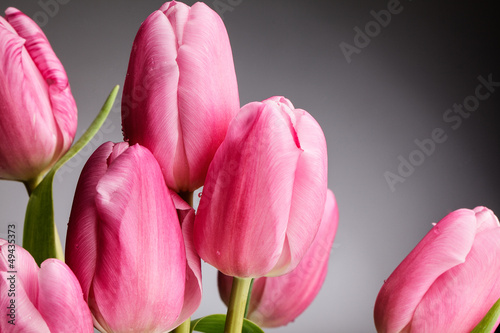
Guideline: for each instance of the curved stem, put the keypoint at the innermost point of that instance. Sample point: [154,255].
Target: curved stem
[237,305]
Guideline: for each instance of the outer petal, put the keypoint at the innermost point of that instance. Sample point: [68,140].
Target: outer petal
[61,100]
[242,218]
[466,291]
[140,271]
[181,91]
[444,247]
[276,301]
[81,239]
[309,189]
[208,93]
[150,104]
[23,295]
[60,299]
[28,133]
[193,291]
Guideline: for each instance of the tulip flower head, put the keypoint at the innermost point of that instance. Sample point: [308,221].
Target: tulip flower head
[265,192]
[180,92]
[126,244]
[276,301]
[38,115]
[449,281]
[44,300]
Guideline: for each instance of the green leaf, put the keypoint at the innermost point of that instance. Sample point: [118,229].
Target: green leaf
[487,324]
[215,324]
[40,235]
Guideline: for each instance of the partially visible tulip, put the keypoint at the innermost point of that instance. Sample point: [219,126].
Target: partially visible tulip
[43,300]
[126,247]
[38,114]
[180,92]
[265,192]
[276,301]
[449,281]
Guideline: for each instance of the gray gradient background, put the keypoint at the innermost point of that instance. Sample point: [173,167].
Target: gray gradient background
[371,110]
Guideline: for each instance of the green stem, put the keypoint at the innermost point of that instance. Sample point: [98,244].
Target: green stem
[237,305]
[32,184]
[188,197]
[185,327]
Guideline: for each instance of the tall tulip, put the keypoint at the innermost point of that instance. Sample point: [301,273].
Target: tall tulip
[44,300]
[265,192]
[126,247]
[180,92]
[449,281]
[38,115]
[276,301]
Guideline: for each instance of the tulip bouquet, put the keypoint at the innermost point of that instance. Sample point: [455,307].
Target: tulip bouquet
[266,219]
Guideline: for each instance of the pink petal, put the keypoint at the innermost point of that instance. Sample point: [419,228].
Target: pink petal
[81,239]
[24,294]
[309,190]
[62,103]
[445,246]
[27,127]
[240,226]
[208,91]
[61,300]
[181,92]
[149,104]
[193,291]
[466,292]
[276,301]
[140,271]
[285,297]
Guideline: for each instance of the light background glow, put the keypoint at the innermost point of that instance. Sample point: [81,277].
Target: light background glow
[394,91]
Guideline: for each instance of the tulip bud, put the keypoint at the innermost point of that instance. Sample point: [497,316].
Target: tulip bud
[180,92]
[126,247]
[449,281]
[46,300]
[38,114]
[265,192]
[276,301]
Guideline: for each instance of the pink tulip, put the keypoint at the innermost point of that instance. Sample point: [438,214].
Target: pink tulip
[265,192]
[125,243]
[180,92]
[38,114]
[276,301]
[43,300]
[450,279]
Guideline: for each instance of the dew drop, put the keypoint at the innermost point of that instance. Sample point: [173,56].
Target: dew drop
[218,252]
[199,194]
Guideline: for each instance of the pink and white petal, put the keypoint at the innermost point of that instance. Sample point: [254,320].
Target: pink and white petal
[81,239]
[486,219]
[27,318]
[21,262]
[445,246]
[285,297]
[242,218]
[140,245]
[26,120]
[63,105]
[61,301]
[466,291]
[177,13]
[149,103]
[193,288]
[309,191]
[208,92]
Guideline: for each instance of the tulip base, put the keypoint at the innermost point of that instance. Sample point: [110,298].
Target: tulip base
[185,327]
[237,305]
